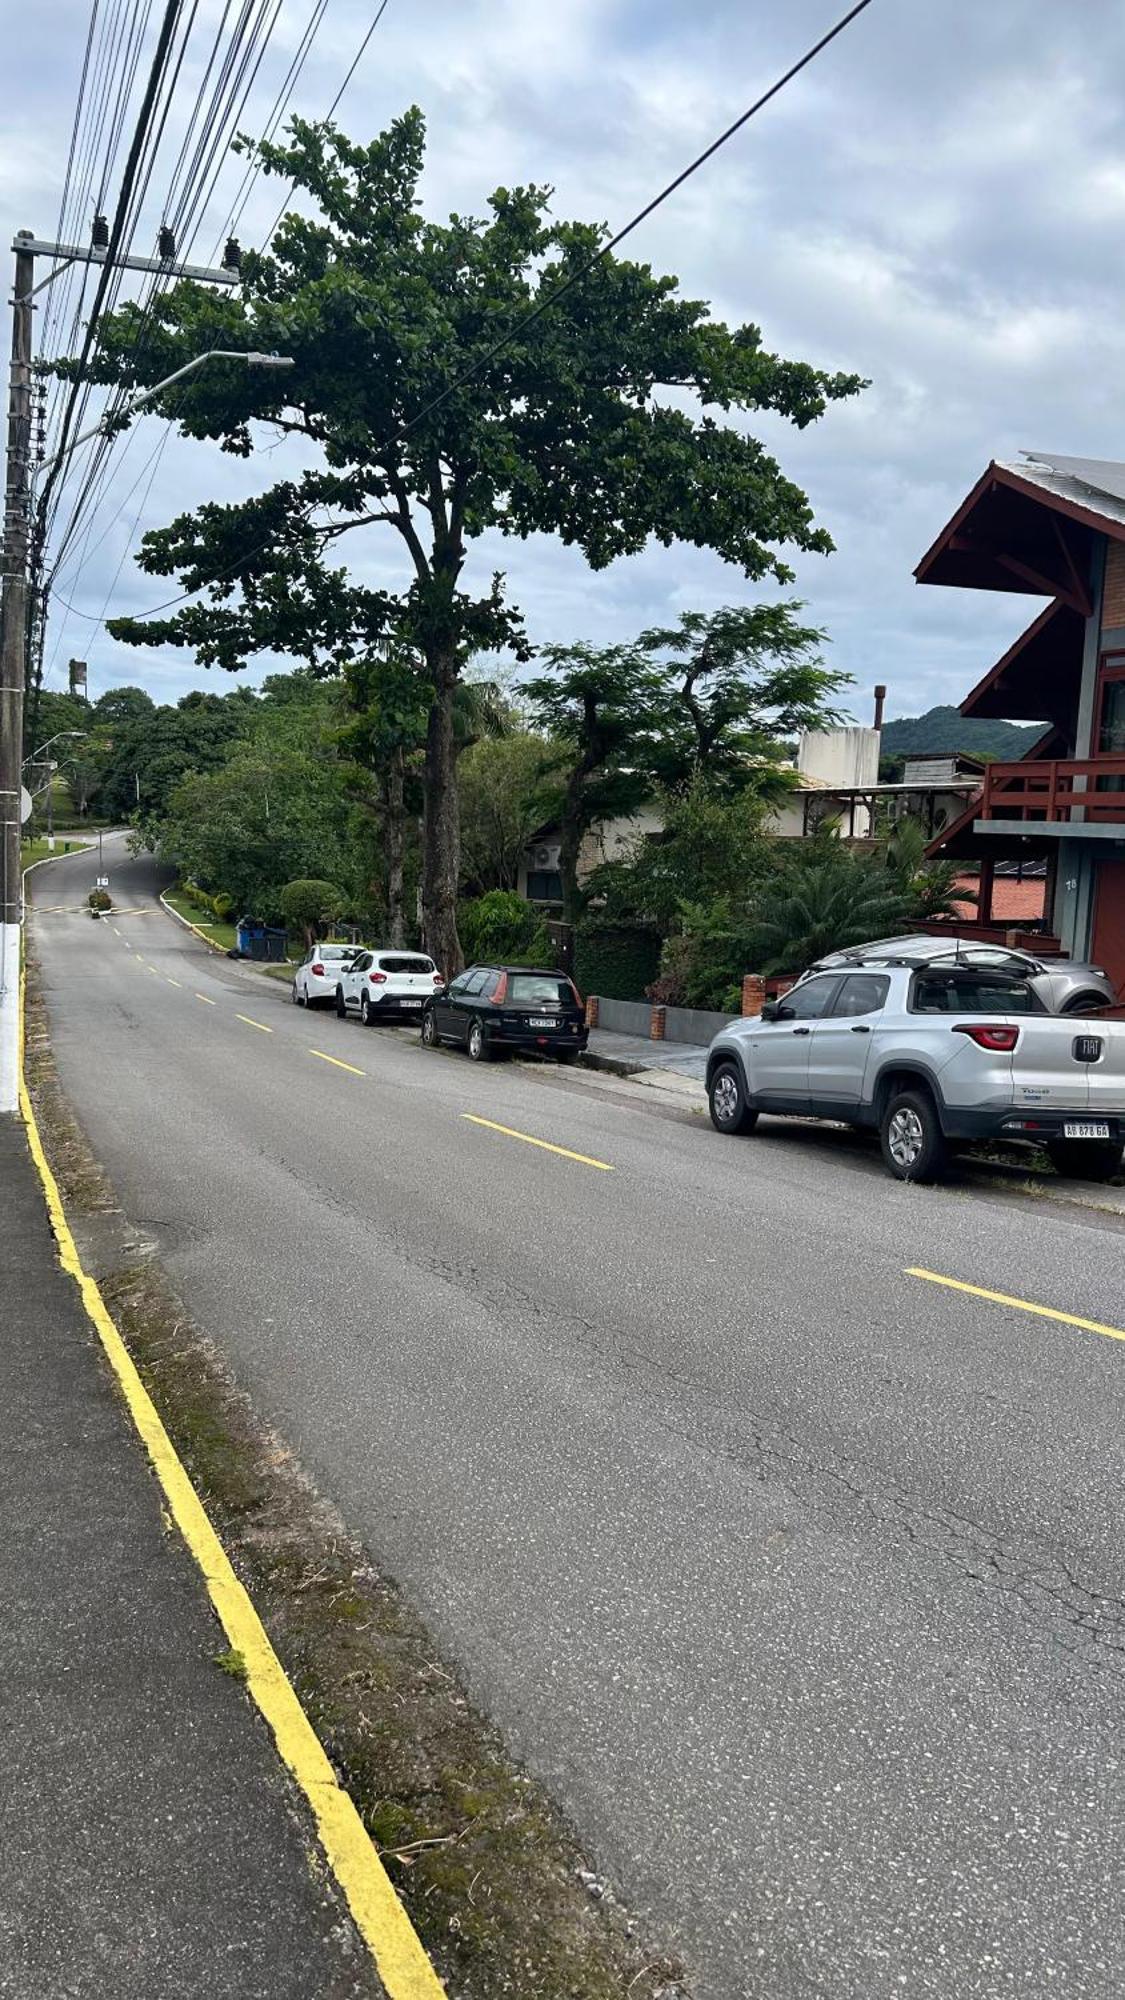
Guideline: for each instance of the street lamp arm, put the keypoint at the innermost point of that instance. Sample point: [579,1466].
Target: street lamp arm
[251,357]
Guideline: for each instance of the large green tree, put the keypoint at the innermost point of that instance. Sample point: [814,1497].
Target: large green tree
[605,423]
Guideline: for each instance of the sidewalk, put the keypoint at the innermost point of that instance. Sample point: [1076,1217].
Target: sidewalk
[153,1846]
[628,1054]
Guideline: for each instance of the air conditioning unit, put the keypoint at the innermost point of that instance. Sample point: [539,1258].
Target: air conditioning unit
[542,857]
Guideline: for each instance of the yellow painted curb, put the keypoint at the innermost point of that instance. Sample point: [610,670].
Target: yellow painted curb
[193,928]
[386,1929]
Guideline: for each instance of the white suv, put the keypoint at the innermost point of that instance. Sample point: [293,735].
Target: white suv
[927,1054]
[386,985]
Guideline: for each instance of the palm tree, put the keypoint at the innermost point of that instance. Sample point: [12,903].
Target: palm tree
[821,902]
[932,888]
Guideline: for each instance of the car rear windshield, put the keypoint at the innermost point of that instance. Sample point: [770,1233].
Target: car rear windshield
[406,964]
[539,989]
[335,951]
[973,993]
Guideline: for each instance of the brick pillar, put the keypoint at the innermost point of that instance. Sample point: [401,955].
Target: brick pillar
[659,1022]
[592,1011]
[753,994]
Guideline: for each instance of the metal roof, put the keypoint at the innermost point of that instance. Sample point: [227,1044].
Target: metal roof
[1094,483]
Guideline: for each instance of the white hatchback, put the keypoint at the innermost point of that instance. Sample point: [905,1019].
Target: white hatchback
[315,980]
[386,985]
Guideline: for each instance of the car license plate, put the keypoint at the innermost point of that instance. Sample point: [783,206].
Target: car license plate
[542,1021]
[1087,1130]
[411,1003]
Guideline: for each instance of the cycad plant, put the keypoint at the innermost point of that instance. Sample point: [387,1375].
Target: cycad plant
[824,899]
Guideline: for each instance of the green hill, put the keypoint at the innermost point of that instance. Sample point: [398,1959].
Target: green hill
[948,729]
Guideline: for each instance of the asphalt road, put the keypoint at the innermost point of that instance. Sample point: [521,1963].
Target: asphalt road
[798,1578]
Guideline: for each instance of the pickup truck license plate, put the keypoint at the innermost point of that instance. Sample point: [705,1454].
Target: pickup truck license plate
[542,1021]
[1086,1130]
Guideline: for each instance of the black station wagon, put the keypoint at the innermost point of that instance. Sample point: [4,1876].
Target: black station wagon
[493,1007]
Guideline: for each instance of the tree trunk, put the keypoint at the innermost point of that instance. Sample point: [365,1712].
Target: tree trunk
[395,841]
[441,848]
[571,831]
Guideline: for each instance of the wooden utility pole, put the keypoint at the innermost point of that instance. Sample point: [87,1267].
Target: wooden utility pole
[13,667]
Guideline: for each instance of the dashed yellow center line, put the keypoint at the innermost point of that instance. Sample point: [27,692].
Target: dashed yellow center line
[1019,1305]
[171,981]
[206,1002]
[337,1064]
[260,1025]
[545,1145]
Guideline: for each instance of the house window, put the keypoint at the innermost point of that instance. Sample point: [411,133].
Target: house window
[544,885]
[1109,730]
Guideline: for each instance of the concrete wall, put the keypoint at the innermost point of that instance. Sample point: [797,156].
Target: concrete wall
[681,1024]
[625,1017]
[843,757]
[693,1024]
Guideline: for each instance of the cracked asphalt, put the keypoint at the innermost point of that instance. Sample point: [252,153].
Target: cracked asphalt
[799,1581]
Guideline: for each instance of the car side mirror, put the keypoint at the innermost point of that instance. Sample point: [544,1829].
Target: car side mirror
[770,1010]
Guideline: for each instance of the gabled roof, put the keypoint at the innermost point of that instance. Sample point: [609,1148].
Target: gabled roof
[1037,678]
[1030,527]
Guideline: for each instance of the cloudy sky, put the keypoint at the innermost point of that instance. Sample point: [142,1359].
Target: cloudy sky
[939,204]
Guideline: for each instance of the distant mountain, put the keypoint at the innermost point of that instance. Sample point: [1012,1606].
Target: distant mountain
[948,729]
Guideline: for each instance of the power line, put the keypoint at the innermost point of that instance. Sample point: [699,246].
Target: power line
[355,62]
[545,305]
[560,291]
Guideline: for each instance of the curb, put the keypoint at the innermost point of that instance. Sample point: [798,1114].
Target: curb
[395,1948]
[612,1065]
[193,928]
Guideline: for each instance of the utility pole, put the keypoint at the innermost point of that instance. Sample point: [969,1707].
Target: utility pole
[17,594]
[13,667]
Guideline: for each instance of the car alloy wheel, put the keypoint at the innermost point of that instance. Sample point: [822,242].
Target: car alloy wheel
[725,1097]
[294,995]
[430,1036]
[477,1042]
[906,1138]
[365,1011]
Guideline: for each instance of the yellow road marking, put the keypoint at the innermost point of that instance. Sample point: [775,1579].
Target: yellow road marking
[260,1025]
[1020,1305]
[564,1152]
[336,1063]
[171,981]
[382,1922]
[206,1002]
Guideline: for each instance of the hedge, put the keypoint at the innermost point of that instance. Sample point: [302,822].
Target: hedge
[616,961]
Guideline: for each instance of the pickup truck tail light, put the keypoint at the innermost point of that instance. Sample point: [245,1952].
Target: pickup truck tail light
[377,978]
[1000,1040]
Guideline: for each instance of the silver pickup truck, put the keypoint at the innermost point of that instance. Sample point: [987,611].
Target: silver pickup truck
[928,1054]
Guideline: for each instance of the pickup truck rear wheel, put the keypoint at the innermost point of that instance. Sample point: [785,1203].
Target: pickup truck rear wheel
[726,1094]
[1079,1160]
[913,1142]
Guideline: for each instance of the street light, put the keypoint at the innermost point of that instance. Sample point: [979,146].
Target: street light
[49,787]
[251,357]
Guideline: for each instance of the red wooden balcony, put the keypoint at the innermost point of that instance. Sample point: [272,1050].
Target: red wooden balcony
[1057,788]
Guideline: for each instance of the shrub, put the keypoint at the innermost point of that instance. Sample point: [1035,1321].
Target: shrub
[617,961]
[502,925]
[100,899]
[223,906]
[308,903]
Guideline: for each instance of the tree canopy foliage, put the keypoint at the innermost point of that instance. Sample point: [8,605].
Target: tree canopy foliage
[614,419]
